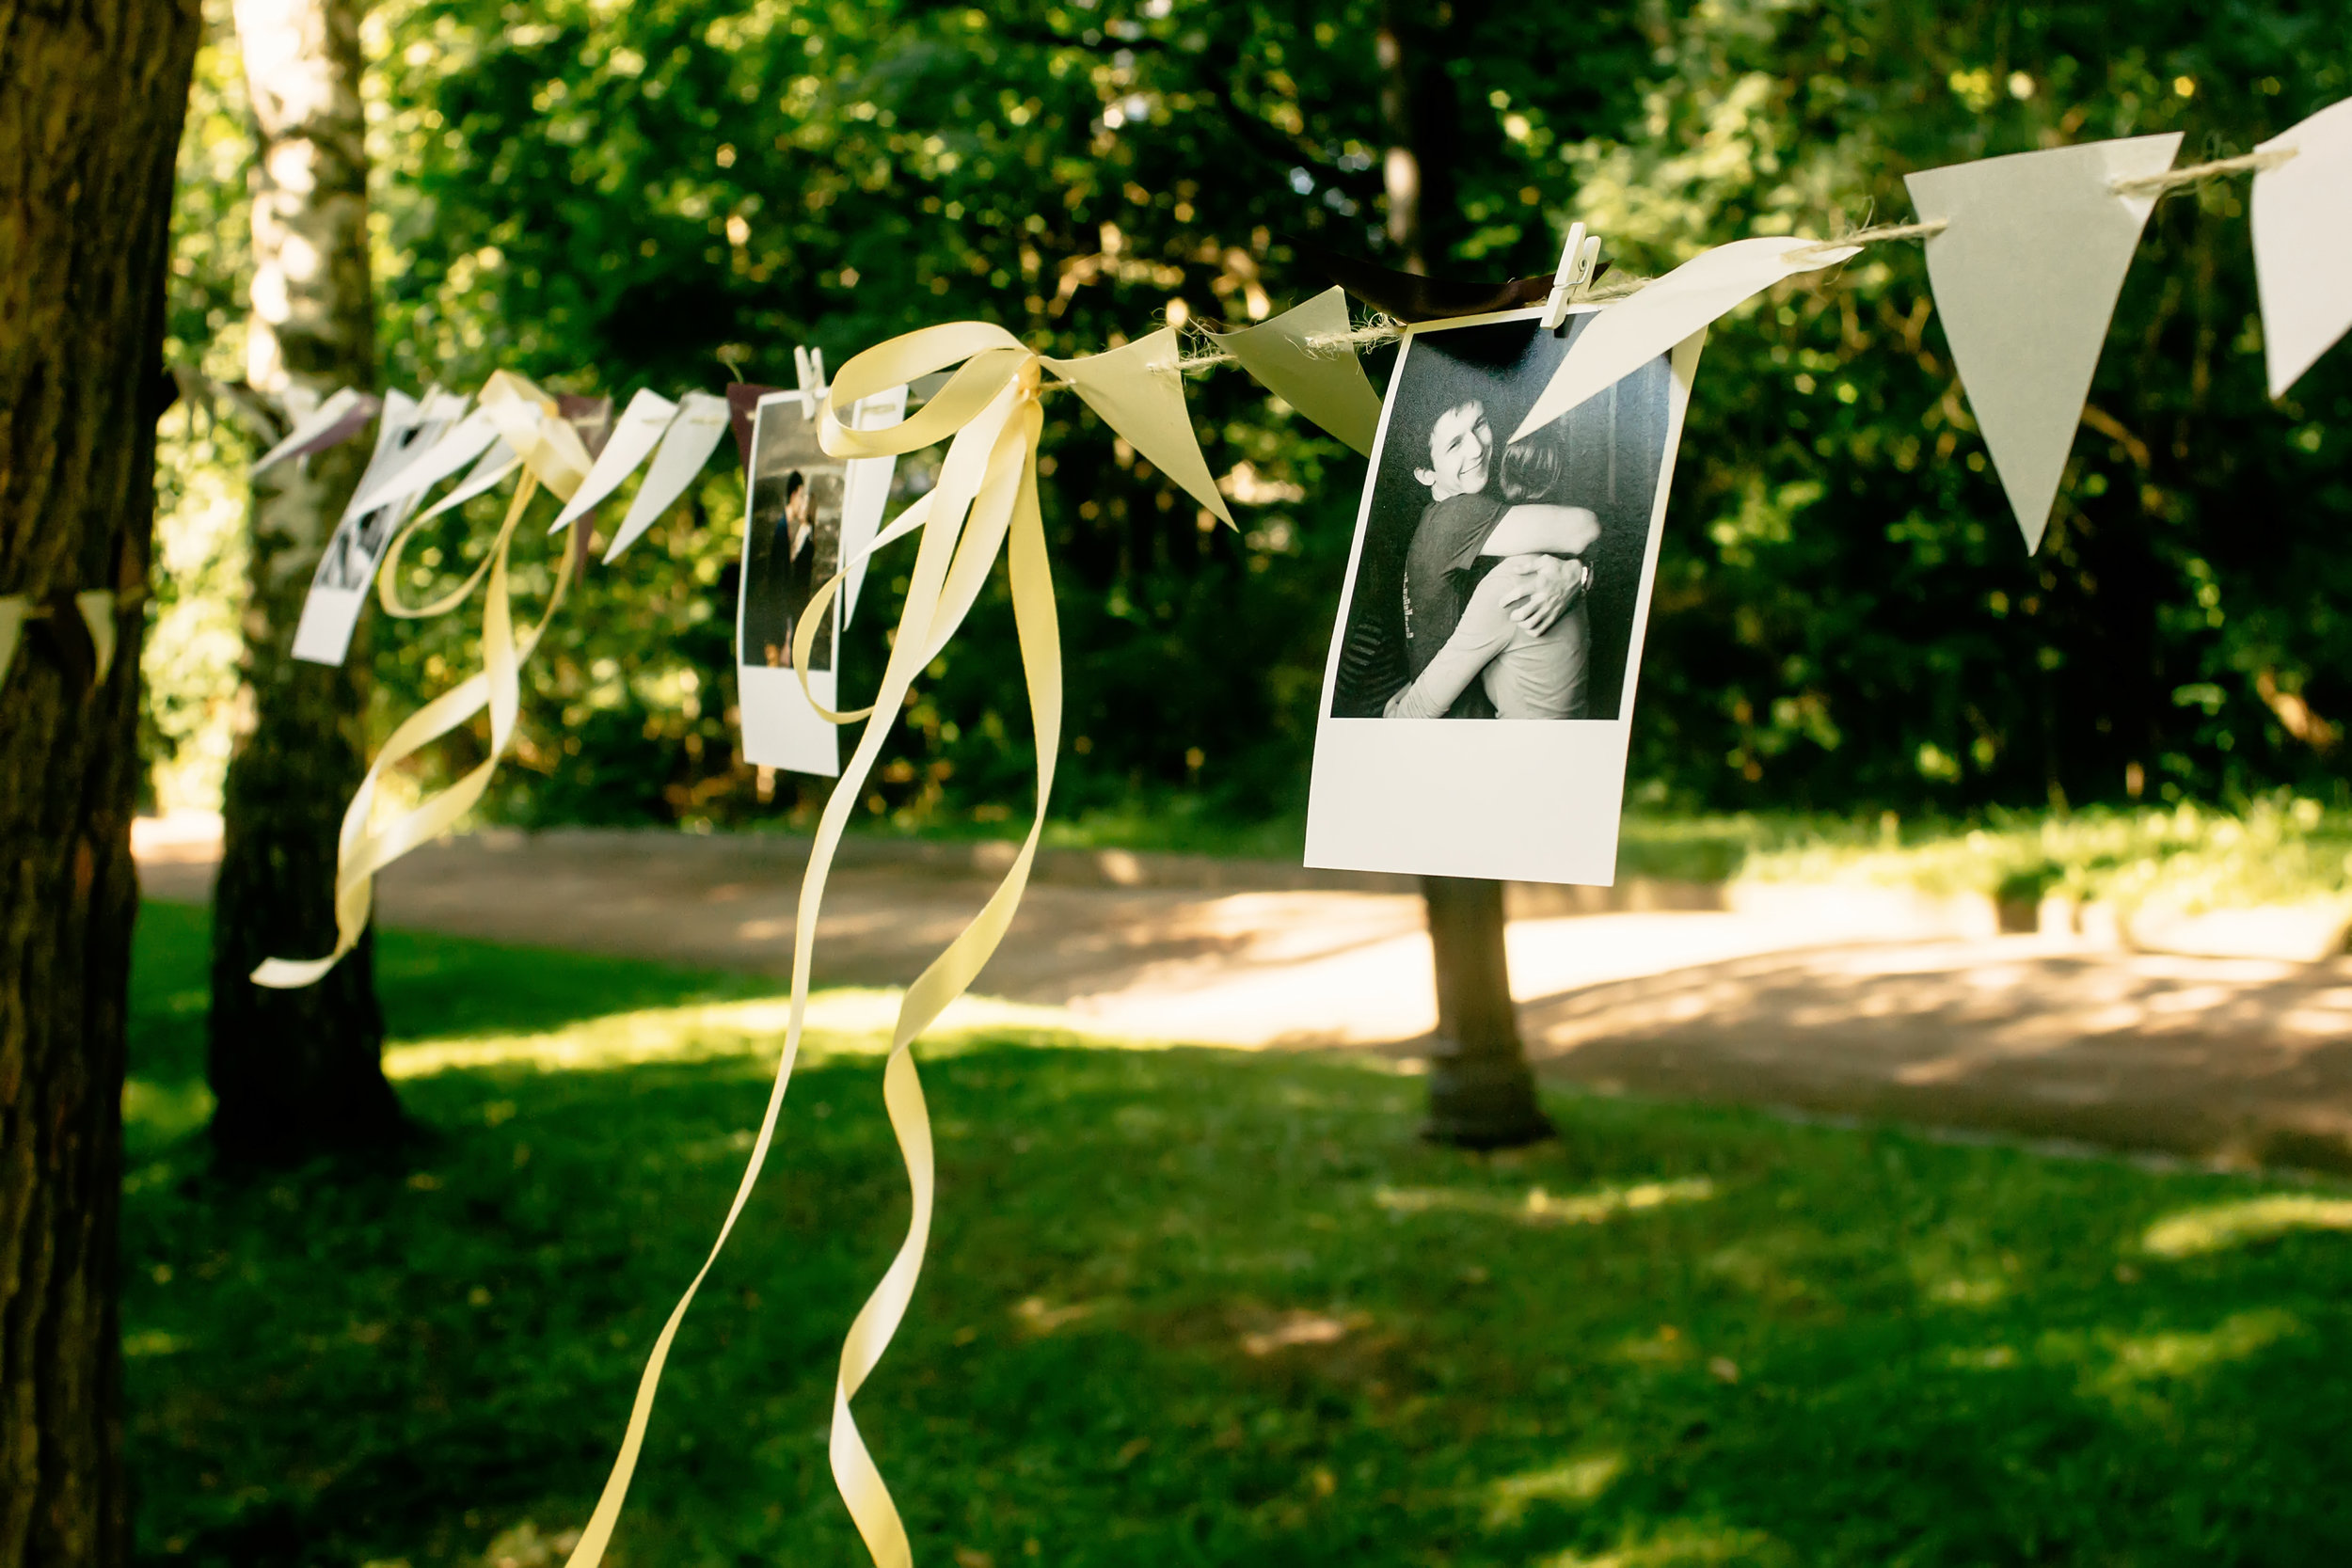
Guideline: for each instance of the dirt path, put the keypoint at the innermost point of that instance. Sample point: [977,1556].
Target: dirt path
[2235,1059]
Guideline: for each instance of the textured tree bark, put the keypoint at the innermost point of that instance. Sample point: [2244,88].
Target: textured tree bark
[1481,1093]
[297,1073]
[91,96]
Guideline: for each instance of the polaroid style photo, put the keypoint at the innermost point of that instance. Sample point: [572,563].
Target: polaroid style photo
[338,591]
[791,544]
[1479,696]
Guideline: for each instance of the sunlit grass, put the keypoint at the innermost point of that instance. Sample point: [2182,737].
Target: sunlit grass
[1186,1307]
[2244,1221]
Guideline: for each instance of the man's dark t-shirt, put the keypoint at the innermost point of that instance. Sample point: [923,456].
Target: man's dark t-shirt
[1439,581]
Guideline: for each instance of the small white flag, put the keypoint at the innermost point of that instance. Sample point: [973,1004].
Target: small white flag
[2025,278]
[2302,237]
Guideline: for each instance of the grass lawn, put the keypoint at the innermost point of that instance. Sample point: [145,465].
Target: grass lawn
[1190,1306]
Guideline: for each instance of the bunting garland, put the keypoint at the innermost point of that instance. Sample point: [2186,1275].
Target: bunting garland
[2025,255]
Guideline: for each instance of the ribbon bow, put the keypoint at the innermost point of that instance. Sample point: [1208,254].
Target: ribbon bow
[985,501]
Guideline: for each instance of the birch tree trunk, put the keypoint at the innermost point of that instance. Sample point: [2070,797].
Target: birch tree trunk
[297,1073]
[91,96]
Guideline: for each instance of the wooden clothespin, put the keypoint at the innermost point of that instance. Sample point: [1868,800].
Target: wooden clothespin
[809,366]
[1578,259]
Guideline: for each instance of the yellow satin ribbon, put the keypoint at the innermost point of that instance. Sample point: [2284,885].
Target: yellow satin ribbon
[365,850]
[528,424]
[986,500]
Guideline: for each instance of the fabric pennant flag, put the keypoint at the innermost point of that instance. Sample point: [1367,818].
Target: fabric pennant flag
[2302,237]
[632,440]
[1325,381]
[591,419]
[97,606]
[332,422]
[1627,334]
[865,493]
[743,405]
[1141,395]
[695,433]
[13,608]
[2026,276]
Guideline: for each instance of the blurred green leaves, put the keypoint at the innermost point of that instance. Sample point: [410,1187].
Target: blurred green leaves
[604,196]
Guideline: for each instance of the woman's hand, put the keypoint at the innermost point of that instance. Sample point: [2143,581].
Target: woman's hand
[1537,590]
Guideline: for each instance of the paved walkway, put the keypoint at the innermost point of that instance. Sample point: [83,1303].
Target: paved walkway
[1817,1003]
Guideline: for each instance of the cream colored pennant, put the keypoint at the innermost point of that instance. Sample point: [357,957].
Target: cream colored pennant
[2026,276]
[97,606]
[1303,358]
[1632,333]
[14,607]
[2303,243]
[1141,394]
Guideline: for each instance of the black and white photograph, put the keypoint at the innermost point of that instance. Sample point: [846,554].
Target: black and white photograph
[330,612]
[1496,579]
[791,546]
[792,534]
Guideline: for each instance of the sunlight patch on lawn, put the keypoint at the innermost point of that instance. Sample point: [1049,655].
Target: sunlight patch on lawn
[2197,1231]
[839,1023]
[1576,1482]
[1539,1207]
[1682,1546]
[2156,1357]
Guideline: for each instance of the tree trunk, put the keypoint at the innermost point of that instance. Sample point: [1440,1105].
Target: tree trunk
[297,1073]
[91,96]
[1481,1093]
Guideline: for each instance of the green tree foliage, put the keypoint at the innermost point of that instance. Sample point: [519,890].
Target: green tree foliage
[605,196]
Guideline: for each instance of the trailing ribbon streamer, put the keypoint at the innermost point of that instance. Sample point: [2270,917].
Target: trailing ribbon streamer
[986,499]
[526,420]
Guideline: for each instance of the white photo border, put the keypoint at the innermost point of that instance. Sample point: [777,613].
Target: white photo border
[1503,801]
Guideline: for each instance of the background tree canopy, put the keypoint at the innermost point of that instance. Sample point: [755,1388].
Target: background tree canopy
[603,195]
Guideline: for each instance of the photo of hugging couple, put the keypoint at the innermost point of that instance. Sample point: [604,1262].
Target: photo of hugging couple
[1498,579]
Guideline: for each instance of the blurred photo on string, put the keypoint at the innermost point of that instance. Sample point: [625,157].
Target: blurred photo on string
[1496,580]
[330,612]
[791,544]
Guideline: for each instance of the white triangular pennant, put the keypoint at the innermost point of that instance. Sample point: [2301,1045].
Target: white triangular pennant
[632,440]
[2302,237]
[694,433]
[2025,278]
[1623,337]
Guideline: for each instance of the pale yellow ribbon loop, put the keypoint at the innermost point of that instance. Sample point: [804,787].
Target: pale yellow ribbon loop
[986,500]
[550,450]
[361,851]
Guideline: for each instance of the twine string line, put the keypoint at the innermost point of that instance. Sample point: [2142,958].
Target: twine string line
[1383,328]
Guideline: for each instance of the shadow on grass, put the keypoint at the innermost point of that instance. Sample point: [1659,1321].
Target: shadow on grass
[1192,1307]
